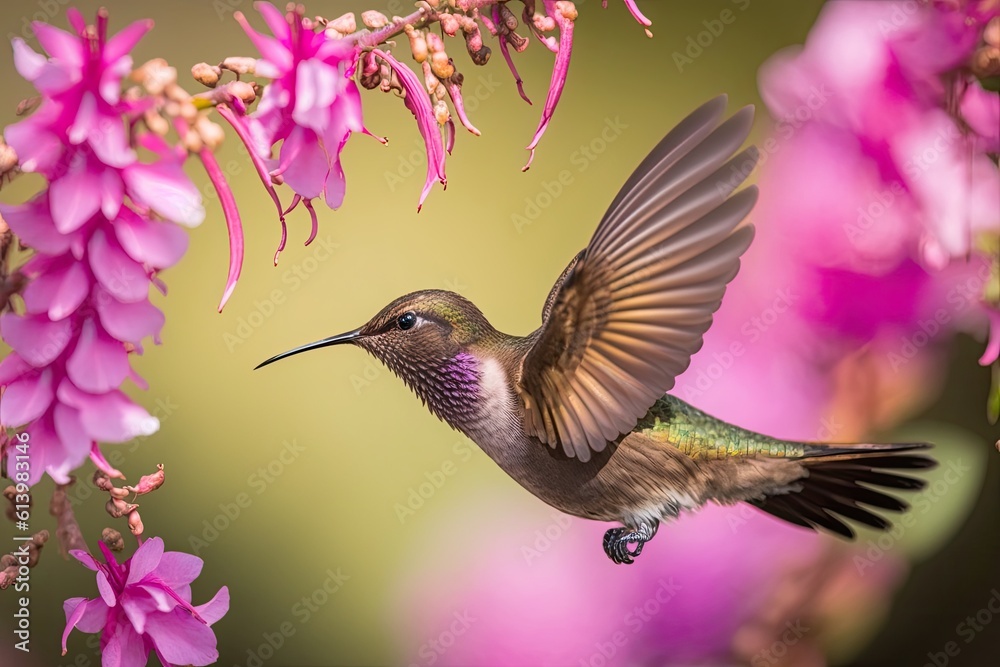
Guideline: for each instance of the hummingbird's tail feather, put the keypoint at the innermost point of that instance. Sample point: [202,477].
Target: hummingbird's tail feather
[840,480]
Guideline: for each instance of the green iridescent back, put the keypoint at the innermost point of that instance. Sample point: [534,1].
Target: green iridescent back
[701,436]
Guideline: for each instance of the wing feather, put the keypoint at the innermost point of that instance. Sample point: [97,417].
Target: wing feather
[628,312]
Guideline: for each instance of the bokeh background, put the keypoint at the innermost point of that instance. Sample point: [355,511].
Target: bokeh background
[372,534]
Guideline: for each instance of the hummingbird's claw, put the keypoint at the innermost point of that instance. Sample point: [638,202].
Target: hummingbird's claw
[616,542]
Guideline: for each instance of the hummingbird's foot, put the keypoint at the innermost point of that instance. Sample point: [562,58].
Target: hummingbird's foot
[616,541]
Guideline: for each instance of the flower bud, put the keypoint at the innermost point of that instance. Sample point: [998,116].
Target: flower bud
[101,480]
[135,523]
[206,75]
[544,23]
[148,483]
[156,123]
[118,508]
[441,65]
[567,9]
[239,64]
[28,105]
[244,91]
[345,24]
[441,112]
[418,45]
[113,539]
[449,23]
[374,20]
[154,76]
[193,144]
[507,17]
[210,132]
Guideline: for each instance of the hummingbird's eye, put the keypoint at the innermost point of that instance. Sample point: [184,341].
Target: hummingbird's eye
[406,320]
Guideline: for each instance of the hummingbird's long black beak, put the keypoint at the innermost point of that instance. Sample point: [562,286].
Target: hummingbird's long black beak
[332,340]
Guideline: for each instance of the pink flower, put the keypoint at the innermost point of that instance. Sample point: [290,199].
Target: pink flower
[86,302]
[685,605]
[878,188]
[312,106]
[145,605]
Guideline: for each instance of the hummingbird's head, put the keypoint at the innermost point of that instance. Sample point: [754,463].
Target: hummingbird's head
[429,339]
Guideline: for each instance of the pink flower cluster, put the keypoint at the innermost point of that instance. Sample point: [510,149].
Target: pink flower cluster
[312,104]
[145,606]
[880,176]
[100,231]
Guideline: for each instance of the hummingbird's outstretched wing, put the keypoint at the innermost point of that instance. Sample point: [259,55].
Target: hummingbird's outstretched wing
[631,309]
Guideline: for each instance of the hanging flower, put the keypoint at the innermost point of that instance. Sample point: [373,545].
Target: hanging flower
[98,247]
[312,106]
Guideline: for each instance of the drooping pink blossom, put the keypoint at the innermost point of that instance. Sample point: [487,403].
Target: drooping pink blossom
[145,606]
[101,230]
[311,106]
[564,14]
[419,104]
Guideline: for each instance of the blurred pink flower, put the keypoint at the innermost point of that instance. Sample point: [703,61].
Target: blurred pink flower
[145,605]
[97,249]
[874,185]
[546,595]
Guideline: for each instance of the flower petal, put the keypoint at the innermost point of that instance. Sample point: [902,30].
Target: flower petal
[85,559]
[86,615]
[129,322]
[34,227]
[37,339]
[105,589]
[215,608]
[560,69]
[99,363]
[107,138]
[110,417]
[101,463]
[13,368]
[165,188]
[37,148]
[419,104]
[74,198]
[117,273]
[181,639]
[27,61]
[69,429]
[26,399]
[305,163]
[145,560]
[125,40]
[124,647]
[981,110]
[59,44]
[270,49]
[178,568]
[137,606]
[156,244]
[58,292]
[315,89]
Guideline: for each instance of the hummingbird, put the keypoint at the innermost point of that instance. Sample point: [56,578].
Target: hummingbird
[577,411]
